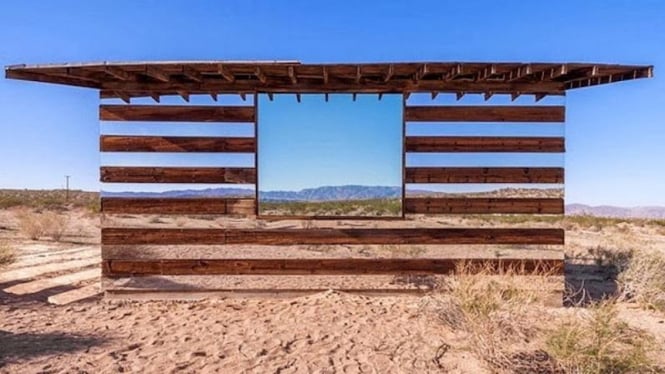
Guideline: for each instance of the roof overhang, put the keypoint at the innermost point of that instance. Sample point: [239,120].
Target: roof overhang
[155,79]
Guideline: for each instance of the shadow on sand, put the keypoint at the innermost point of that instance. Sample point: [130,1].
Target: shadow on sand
[25,346]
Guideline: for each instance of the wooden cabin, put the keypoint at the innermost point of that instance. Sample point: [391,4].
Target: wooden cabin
[238,250]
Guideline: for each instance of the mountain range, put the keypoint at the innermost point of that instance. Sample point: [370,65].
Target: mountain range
[357,192]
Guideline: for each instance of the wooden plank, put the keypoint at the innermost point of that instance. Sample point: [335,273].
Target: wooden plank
[483,144]
[119,268]
[469,113]
[145,236]
[176,113]
[121,174]
[483,175]
[114,143]
[44,284]
[441,205]
[77,294]
[208,205]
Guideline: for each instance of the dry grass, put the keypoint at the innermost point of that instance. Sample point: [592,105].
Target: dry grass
[7,254]
[642,280]
[37,225]
[598,342]
[492,311]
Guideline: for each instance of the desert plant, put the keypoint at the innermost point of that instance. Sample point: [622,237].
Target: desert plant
[642,280]
[54,225]
[598,342]
[491,309]
[30,224]
[7,254]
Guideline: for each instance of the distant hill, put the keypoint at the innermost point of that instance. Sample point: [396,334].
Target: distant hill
[653,212]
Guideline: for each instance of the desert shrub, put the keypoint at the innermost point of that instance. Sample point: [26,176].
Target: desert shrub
[36,225]
[54,225]
[642,280]
[491,310]
[598,342]
[7,254]
[30,224]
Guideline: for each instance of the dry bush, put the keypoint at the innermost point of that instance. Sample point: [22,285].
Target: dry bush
[7,254]
[54,225]
[30,224]
[492,306]
[642,280]
[36,225]
[597,342]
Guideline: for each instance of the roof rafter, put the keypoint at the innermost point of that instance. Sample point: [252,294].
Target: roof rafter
[157,74]
[221,69]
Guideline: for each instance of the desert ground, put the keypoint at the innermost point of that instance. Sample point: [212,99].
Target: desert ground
[53,318]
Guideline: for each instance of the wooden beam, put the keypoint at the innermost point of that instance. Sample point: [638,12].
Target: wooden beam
[483,144]
[453,73]
[221,69]
[213,96]
[539,96]
[298,97]
[485,73]
[330,236]
[192,74]
[390,73]
[515,95]
[124,97]
[339,85]
[184,95]
[459,95]
[121,174]
[270,96]
[326,96]
[118,73]
[484,175]
[260,75]
[121,143]
[488,95]
[292,75]
[358,74]
[325,75]
[155,73]
[209,205]
[176,113]
[327,266]
[243,96]
[354,96]
[520,72]
[467,113]
[434,95]
[464,205]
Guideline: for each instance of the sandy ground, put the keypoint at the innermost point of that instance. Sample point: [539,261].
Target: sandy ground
[328,332]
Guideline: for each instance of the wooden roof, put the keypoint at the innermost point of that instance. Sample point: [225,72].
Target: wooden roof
[184,78]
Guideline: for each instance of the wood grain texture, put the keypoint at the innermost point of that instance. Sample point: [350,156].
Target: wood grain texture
[483,175]
[329,236]
[115,143]
[483,144]
[441,205]
[129,205]
[176,113]
[469,113]
[121,268]
[120,174]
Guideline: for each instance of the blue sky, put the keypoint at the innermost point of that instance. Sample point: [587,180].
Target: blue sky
[615,133]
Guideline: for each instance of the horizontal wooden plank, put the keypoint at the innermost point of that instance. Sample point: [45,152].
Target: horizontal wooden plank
[115,143]
[483,175]
[144,236]
[487,113]
[442,205]
[121,174]
[483,144]
[130,205]
[177,113]
[119,268]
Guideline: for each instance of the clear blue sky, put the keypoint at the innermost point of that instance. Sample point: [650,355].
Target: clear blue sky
[615,133]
